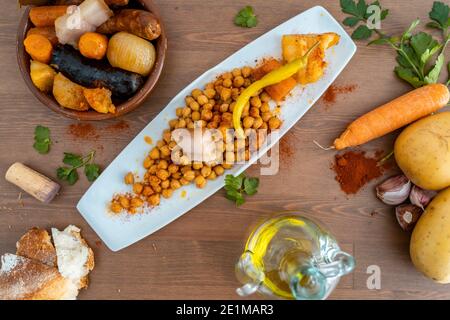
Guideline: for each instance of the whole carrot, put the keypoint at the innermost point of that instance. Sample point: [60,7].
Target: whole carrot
[394,115]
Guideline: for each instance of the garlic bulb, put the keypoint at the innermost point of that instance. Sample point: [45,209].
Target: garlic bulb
[407,216]
[394,190]
[421,197]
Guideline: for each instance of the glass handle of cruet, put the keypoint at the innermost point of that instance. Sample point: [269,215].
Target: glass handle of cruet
[341,264]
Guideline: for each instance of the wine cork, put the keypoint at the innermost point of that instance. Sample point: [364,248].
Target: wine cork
[32,182]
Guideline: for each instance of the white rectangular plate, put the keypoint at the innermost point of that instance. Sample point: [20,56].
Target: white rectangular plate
[118,232]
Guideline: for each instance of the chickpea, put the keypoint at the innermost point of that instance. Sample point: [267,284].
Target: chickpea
[167,136]
[205,171]
[216,117]
[195,93]
[136,202]
[185,168]
[173,123]
[162,164]
[227,117]
[189,175]
[179,112]
[162,174]
[264,126]
[167,193]
[132,210]
[212,125]
[225,94]
[210,93]
[266,116]
[157,189]
[257,123]
[129,178]
[232,106]
[208,86]
[181,124]
[175,184]
[255,102]
[124,202]
[184,160]
[172,168]
[194,106]
[154,154]
[186,112]
[200,182]
[264,107]
[202,99]
[212,176]
[188,100]
[184,182]
[154,199]
[247,122]
[148,191]
[227,75]
[247,82]
[227,83]
[264,96]
[206,115]
[191,125]
[176,175]
[238,81]
[195,116]
[172,145]
[274,123]
[224,107]
[227,165]
[246,72]
[116,207]
[137,188]
[246,110]
[208,106]
[235,92]
[219,170]
[153,168]
[212,102]
[165,184]
[160,143]
[165,151]
[254,112]
[197,165]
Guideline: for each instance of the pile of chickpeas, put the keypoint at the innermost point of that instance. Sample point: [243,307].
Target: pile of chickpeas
[209,108]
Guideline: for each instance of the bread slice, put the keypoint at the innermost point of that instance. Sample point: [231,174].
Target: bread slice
[26,279]
[74,257]
[37,244]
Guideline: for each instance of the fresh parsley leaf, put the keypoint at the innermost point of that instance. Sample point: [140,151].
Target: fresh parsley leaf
[362,8]
[73,177]
[433,74]
[42,139]
[246,18]
[351,21]
[350,7]
[63,172]
[421,42]
[251,185]
[234,182]
[73,160]
[235,196]
[362,33]
[409,76]
[440,14]
[92,171]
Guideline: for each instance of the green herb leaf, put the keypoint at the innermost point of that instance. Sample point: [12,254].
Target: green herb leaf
[92,171]
[384,14]
[234,182]
[251,185]
[433,75]
[409,76]
[362,8]
[73,160]
[235,196]
[408,33]
[440,14]
[349,6]
[362,33]
[42,139]
[421,42]
[73,177]
[246,18]
[63,173]
[351,21]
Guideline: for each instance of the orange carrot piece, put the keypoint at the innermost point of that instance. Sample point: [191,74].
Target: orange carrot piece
[39,48]
[277,91]
[394,115]
[48,32]
[45,16]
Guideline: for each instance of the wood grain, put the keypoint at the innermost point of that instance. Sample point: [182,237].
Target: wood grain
[194,256]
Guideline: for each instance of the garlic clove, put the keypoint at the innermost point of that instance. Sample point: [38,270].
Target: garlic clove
[421,197]
[394,190]
[407,216]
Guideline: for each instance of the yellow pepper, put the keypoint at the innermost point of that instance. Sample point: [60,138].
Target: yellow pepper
[273,77]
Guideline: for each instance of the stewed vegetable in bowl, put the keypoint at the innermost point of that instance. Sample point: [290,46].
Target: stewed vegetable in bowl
[91,59]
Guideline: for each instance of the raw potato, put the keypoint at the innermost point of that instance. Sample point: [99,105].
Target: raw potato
[131,53]
[430,241]
[42,75]
[100,100]
[69,94]
[422,151]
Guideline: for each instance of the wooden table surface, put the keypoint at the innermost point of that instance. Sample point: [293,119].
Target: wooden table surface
[194,257]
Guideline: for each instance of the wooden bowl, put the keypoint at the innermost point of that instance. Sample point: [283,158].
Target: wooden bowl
[132,103]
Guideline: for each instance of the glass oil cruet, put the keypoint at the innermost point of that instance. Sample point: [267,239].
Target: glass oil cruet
[290,256]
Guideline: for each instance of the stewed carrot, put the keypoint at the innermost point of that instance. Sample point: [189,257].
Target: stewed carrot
[394,115]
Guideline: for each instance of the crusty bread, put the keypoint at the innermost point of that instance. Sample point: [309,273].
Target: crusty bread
[37,244]
[26,279]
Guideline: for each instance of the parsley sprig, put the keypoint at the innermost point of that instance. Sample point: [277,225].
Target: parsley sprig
[240,185]
[420,57]
[70,174]
[246,18]
[42,139]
